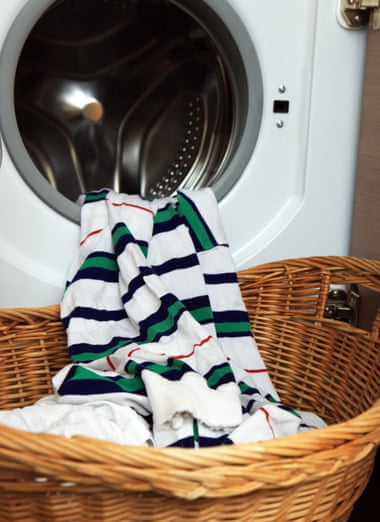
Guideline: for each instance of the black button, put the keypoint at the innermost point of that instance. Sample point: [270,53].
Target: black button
[281,106]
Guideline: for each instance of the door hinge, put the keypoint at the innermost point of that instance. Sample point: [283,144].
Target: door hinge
[357,14]
[343,304]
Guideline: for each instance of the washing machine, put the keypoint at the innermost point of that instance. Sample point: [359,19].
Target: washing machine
[258,99]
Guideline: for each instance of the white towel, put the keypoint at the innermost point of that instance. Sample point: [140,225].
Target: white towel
[111,421]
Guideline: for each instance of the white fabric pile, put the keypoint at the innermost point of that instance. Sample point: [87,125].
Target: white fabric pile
[158,333]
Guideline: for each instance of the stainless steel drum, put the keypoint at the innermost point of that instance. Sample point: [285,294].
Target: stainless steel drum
[142,96]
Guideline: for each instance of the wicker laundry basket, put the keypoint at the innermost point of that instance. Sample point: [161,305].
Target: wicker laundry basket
[317,364]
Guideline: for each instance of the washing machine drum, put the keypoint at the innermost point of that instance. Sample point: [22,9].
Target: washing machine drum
[142,96]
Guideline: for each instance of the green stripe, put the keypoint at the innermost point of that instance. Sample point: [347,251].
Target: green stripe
[203,314]
[119,232]
[131,385]
[232,327]
[195,431]
[186,210]
[96,197]
[92,356]
[134,367]
[100,261]
[244,388]
[123,231]
[270,398]
[83,373]
[218,374]
[165,214]
[175,364]
[144,250]
[166,324]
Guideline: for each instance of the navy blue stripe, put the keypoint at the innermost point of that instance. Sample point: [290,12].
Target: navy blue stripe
[100,254]
[136,283]
[171,221]
[125,239]
[198,301]
[235,333]
[198,245]
[195,303]
[231,316]
[171,374]
[249,406]
[177,263]
[97,273]
[216,279]
[88,387]
[223,378]
[155,319]
[76,350]
[288,409]
[95,314]
[189,442]
[166,226]
[245,389]
[72,386]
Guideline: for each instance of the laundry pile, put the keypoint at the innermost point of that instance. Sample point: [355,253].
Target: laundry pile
[159,337]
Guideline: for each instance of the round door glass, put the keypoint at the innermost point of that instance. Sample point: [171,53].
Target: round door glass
[142,96]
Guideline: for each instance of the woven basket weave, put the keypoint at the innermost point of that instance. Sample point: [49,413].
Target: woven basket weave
[317,364]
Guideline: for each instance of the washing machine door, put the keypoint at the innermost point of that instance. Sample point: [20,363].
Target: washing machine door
[142,96]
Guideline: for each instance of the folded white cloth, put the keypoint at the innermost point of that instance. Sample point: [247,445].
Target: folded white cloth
[191,396]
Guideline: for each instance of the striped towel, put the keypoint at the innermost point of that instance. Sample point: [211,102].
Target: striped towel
[154,317]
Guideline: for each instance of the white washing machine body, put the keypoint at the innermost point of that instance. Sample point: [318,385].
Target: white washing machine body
[295,192]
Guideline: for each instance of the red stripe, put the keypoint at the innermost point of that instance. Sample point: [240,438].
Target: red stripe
[132,351]
[123,204]
[204,341]
[110,362]
[93,233]
[186,356]
[266,413]
[182,356]
[260,370]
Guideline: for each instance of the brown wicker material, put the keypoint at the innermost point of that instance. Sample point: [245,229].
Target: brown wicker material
[317,364]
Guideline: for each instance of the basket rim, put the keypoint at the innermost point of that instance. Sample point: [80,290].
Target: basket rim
[187,472]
